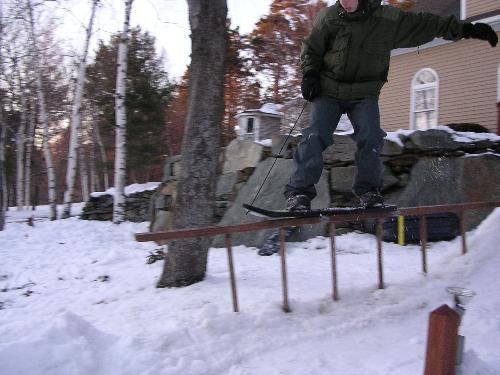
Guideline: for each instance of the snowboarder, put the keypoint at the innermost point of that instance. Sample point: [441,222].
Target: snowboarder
[345,63]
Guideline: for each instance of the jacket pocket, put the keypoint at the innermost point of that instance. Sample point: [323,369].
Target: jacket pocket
[335,59]
[376,60]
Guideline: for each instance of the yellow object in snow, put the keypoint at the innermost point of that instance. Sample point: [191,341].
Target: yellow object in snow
[401,230]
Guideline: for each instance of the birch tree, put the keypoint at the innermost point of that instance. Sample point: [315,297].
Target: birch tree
[30,141]
[75,118]
[121,119]
[43,116]
[186,260]
[20,137]
[3,183]
[84,175]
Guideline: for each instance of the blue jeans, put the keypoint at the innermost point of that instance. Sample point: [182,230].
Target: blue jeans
[369,137]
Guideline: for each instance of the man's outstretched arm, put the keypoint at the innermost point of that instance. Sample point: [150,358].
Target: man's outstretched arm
[414,29]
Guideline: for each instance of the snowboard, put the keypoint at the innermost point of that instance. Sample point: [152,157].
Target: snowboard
[330,211]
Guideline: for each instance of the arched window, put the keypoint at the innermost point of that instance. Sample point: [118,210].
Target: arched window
[424,100]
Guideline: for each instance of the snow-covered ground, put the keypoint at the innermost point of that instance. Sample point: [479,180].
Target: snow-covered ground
[77,297]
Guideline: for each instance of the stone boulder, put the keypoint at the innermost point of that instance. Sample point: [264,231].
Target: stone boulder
[342,178]
[341,152]
[431,140]
[391,148]
[284,146]
[242,154]
[446,180]
[162,216]
[271,196]
[226,186]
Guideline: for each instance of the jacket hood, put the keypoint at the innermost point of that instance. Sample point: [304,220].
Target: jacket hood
[365,8]
[371,4]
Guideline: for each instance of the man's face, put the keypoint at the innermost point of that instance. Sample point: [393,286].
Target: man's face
[349,5]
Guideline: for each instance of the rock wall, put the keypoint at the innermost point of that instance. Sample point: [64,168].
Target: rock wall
[137,207]
[437,166]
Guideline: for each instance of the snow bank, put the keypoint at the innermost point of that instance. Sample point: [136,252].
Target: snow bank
[463,137]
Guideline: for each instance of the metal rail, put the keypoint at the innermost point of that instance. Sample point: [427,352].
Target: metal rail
[420,212]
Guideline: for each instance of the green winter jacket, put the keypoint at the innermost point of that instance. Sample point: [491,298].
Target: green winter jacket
[352,50]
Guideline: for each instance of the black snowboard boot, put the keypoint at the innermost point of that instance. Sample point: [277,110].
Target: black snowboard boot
[371,199]
[298,202]
[272,244]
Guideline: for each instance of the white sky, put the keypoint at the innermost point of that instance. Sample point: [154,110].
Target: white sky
[167,20]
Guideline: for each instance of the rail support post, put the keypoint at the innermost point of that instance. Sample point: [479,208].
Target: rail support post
[423,242]
[232,276]
[379,255]
[284,280]
[333,252]
[442,341]
[461,217]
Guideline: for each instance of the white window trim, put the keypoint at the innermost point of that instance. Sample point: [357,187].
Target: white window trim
[246,125]
[422,87]
[463,9]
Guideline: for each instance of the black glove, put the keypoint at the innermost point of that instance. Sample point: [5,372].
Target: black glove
[481,31]
[310,86]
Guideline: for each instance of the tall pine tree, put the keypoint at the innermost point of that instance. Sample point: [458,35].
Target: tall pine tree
[148,93]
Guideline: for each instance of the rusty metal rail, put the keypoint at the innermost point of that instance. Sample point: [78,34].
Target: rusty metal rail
[460,209]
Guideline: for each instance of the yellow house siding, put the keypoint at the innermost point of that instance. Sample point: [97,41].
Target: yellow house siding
[477,7]
[467,72]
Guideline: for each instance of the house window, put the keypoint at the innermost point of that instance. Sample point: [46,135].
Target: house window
[424,100]
[250,125]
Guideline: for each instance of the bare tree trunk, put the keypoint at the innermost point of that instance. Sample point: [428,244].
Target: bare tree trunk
[75,119]
[20,141]
[43,115]
[3,182]
[29,150]
[121,119]
[186,260]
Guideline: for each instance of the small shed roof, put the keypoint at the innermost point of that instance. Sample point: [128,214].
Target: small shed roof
[268,109]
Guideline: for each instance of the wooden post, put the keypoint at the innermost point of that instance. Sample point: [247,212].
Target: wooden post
[333,252]
[442,340]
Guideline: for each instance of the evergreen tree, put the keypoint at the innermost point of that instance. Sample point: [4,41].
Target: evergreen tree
[148,93]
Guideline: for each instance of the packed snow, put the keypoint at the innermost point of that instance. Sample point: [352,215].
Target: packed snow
[77,297]
[129,189]
[462,137]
